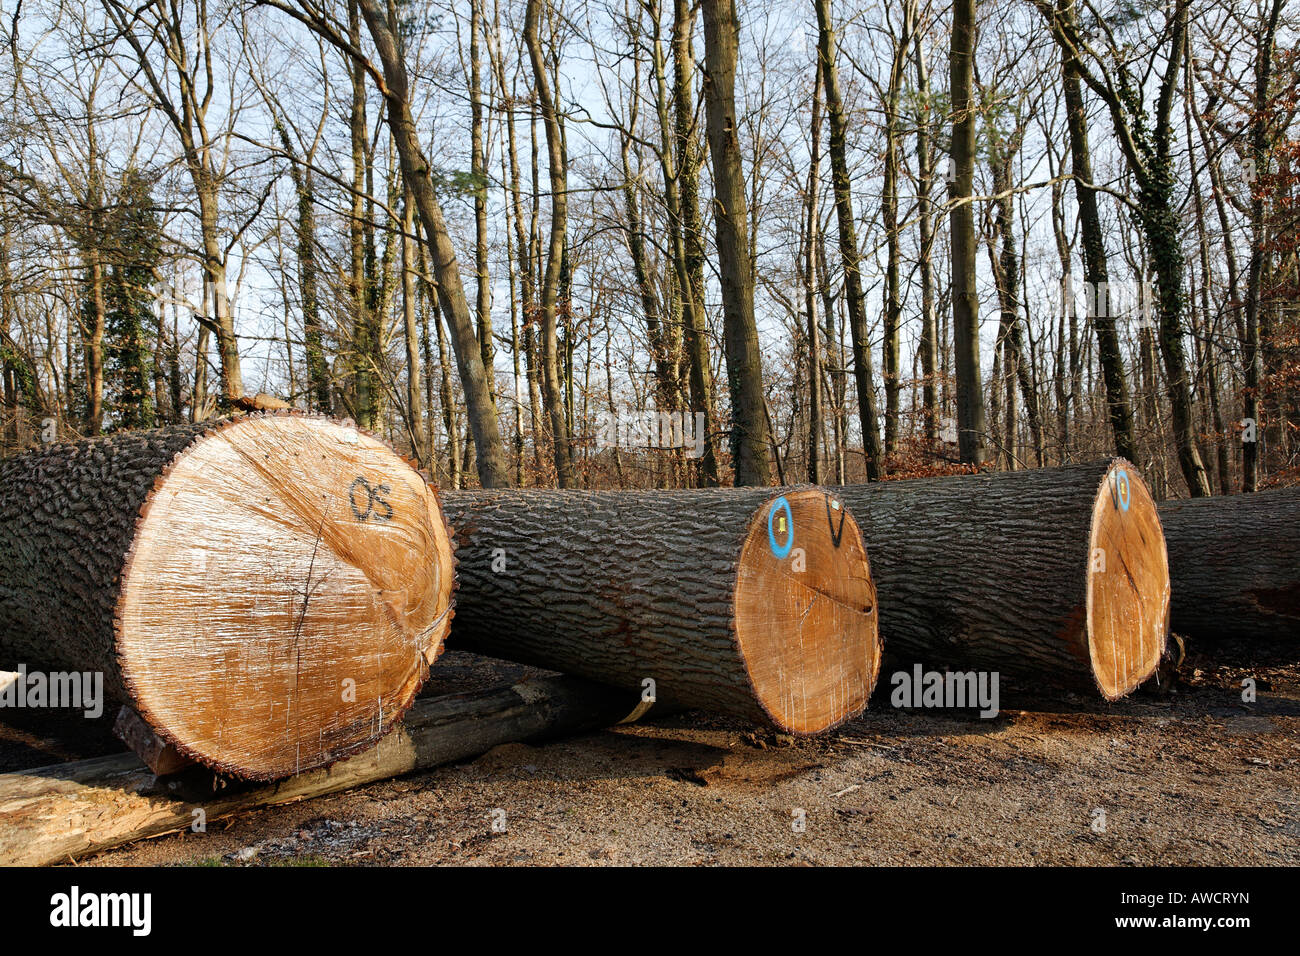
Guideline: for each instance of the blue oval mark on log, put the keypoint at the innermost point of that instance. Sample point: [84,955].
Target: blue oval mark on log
[781,505]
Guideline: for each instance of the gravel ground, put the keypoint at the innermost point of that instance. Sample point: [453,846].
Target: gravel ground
[1186,775]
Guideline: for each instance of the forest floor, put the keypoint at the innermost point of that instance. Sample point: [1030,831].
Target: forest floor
[1187,774]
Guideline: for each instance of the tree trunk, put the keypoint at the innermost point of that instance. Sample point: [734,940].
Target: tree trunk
[1234,563]
[411,327]
[811,229]
[679,167]
[727,600]
[695,330]
[92,341]
[1095,267]
[554,256]
[364,382]
[318,392]
[1007,272]
[889,215]
[1262,117]
[1056,578]
[971,427]
[749,433]
[266,592]
[478,167]
[849,255]
[924,179]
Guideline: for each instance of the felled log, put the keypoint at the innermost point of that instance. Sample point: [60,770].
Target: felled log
[60,813]
[1056,579]
[266,593]
[1234,563]
[740,601]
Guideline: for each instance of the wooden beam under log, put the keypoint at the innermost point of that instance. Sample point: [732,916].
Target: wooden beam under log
[61,813]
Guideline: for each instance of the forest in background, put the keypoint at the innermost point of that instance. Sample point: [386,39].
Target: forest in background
[853,241]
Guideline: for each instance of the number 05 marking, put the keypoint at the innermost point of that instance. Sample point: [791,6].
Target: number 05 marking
[373,498]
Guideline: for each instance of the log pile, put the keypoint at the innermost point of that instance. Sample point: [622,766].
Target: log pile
[1235,565]
[733,600]
[1056,578]
[265,593]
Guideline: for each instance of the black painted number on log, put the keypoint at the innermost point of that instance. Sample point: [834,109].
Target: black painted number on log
[374,500]
[837,531]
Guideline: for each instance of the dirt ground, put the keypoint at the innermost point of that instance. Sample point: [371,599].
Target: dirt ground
[1187,774]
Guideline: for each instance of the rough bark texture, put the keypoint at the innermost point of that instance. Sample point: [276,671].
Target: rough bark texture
[72,810]
[624,586]
[990,572]
[266,592]
[1234,564]
[69,513]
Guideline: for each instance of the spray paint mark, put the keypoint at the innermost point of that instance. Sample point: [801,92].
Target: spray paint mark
[780,520]
[1121,494]
[837,531]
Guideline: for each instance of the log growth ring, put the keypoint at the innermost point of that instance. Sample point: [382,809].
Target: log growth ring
[289,584]
[1128,583]
[805,612]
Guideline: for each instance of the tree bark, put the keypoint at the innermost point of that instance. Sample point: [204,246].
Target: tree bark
[1234,563]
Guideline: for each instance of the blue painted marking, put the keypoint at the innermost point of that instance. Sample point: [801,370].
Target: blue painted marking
[1124,494]
[787,525]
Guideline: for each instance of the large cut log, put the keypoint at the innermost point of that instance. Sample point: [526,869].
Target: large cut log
[59,813]
[1056,579]
[266,593]
[734,600]
[1235,565]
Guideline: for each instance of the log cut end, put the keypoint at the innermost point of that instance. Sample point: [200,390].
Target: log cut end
[289,585]
[1128,583]
[805,612]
